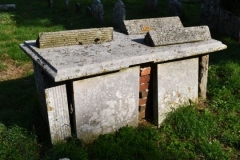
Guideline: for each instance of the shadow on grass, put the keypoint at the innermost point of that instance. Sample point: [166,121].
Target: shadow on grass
[19,107]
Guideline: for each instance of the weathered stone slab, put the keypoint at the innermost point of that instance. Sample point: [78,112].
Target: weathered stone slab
[177,84]
[141,26]
[65,63]
[105,103]
[119,14]
[58,113]
[97,10]
[229,24]
[210,13]
[159,36]
[74,37]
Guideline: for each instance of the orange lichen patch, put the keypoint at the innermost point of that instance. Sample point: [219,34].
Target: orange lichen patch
[13,69]
[147,28]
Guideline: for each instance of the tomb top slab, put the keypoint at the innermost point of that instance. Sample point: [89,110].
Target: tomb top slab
[65,63]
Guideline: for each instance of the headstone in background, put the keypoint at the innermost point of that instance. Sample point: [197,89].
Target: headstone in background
[7,7]
[119,14]
[78,8]
[229,24]
[175,8]
[210,13]
[98,11]
[50,3]
[151,5]
[89,11]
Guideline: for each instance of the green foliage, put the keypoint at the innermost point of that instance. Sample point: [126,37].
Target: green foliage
[17,144]
[127,143]
[73,149]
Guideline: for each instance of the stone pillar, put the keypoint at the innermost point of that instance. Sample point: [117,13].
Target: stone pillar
[203,76]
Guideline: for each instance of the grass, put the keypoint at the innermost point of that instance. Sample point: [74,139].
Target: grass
[209,131]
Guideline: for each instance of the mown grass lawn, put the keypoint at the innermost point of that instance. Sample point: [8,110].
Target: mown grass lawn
[207,131]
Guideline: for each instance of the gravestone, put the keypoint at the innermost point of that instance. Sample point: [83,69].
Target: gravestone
[119,14]
[7,7]
[229,24]
[210,13]
[97,10]
[78,8]
[89,11]
[151,5]
[175,8]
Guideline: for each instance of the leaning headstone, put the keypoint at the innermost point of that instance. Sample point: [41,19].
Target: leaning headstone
[160,36]
[151,5]
[210,13]
[97,10]
[175,8]
[78,8]
[89,11]
[119,14]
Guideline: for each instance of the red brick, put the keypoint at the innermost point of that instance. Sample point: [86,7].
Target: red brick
[143,86]
[142,108]
[144,79]
[145,71]
[143,93]
[142,101]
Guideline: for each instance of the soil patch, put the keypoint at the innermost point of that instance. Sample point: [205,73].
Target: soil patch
[13,69]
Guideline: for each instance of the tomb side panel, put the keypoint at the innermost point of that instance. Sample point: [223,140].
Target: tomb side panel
[105,103]
[177,83]
[58,113]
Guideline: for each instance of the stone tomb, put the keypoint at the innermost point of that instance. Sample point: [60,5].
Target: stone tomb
[93,89]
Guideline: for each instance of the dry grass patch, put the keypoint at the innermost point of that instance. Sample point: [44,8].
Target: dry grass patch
[12,69]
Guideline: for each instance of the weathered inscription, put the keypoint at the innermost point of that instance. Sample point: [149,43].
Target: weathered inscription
[74,37]
[141,26]
[166,36]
